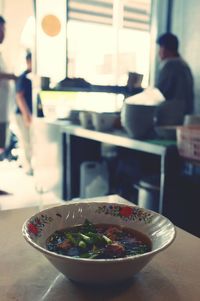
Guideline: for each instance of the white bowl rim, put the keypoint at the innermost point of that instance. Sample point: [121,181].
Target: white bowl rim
[97,261]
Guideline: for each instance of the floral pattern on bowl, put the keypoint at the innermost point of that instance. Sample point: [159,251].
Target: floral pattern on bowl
[126,212]
[37,224]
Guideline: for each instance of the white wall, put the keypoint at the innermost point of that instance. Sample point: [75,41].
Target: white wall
[1,6]
[158,26]
[186,24]
[16,13]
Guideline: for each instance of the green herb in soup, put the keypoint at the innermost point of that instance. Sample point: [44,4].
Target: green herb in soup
[98,241]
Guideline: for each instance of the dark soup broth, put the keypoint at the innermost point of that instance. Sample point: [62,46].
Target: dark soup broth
[98,241]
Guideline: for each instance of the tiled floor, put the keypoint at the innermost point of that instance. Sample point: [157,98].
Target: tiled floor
[20,188]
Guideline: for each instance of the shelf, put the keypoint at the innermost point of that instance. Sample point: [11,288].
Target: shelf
[120,138]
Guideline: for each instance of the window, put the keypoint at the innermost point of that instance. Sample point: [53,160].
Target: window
[108,39]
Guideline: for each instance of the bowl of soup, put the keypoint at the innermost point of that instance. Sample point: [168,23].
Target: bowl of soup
[98,242]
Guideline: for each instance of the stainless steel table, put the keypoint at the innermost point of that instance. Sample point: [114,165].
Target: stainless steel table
[26,275]
[80,144]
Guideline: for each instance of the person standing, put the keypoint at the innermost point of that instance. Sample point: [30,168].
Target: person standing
[4,92]
[23,115]
[175,79]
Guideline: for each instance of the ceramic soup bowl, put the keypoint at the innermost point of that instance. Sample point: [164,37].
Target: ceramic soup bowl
[39,227]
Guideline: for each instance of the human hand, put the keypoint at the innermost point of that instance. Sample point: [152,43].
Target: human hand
[27,119]
[14,77]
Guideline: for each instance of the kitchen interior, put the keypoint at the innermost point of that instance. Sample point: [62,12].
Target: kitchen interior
[88,140]
[67,99]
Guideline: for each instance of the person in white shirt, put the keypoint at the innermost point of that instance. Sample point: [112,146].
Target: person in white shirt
[23,115]
[4,92]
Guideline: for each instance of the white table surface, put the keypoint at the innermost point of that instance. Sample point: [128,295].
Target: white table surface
[26,275]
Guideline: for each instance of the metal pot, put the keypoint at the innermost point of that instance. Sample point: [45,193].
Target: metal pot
[148,194]
[138,120]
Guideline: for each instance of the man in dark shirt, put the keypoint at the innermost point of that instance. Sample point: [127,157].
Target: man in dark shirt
[24,115]
[174,79]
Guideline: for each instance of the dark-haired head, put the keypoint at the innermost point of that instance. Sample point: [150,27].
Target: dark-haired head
[168,41]
[2,29]
[169,44]
[29,60]
[28,56]
[2,20]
